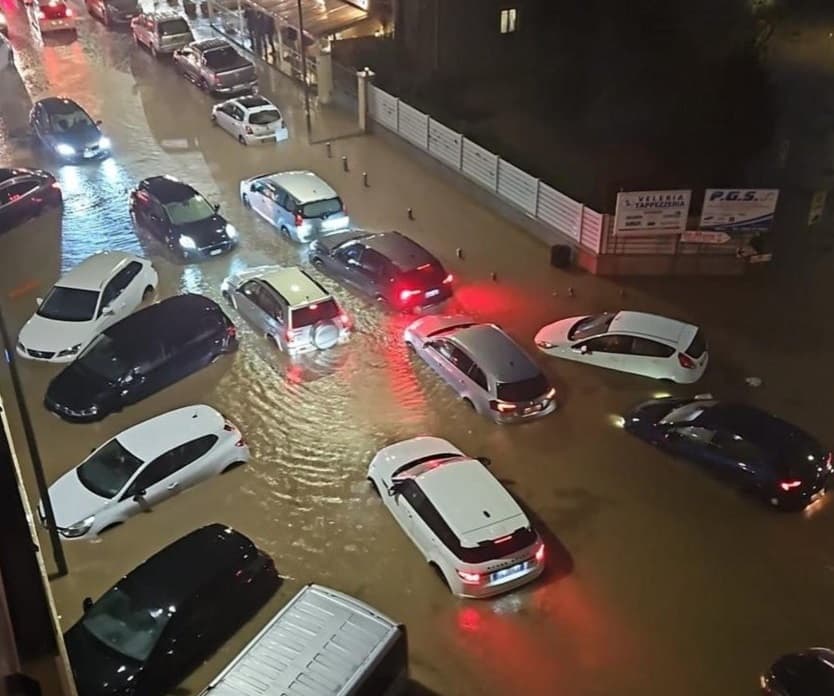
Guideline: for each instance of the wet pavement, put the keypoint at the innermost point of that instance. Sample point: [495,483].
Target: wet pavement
[661,580]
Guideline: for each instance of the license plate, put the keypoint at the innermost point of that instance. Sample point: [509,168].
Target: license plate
[432,293]
[215,252]
[510,572]
[331,224]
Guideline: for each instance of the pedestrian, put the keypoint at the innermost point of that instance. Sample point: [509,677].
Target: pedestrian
[269,33]
[249,15]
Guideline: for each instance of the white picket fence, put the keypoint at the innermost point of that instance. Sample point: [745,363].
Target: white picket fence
[553,209]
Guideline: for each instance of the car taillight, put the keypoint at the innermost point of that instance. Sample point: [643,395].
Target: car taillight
[345,319]
[228,426]
[686,361]
[41,15]
[550,394]
[502,407]
[55,185]
[299,220]
[471,578]
[448,279]
[68,12]
[406,295]
[789,485]
[540,554]
[249,130]
[240,443]
[289,335]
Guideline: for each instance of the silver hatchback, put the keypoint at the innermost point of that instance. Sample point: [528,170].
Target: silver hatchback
[487,369]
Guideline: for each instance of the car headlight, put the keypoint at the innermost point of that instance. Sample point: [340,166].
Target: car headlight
[231,232]
[79,528]
[65,150]
[69,351]
[91,411]
[104,143]
[187,242]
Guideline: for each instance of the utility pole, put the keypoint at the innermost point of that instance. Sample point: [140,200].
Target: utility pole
[303,51]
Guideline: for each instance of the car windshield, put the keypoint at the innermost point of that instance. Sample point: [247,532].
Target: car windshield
[525,390]
[687,413]
[264,118]
[69,304]
[106,471]
[70,119]
[125,625]
[322,208]
[221,57]
[174,26]
[194,209]
[101,358]
[314,313]
[590,326]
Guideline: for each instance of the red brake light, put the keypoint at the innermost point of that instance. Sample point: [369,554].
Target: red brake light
[69,12]
[424,267]
[540,554]
[686,361]
[503,539]
[789,485]
[231,331]
[470,578]
[240,443]
[345,319]
[41,14]
[228,426]
[448,279]
[406,295]
[299,220]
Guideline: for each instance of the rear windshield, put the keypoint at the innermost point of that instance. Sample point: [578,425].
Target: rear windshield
[314,313]
[698,346]
[590,326]
[173,26]
[264,118]
[491,550]
[57,10]
[322,208]
[525,390]
[428,275]
[221,57]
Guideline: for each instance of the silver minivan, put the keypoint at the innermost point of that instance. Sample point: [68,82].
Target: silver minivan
[161,32]
[322,642]
[300,204]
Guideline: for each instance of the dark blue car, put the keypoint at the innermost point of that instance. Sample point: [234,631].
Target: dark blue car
[746,446]
[807,673]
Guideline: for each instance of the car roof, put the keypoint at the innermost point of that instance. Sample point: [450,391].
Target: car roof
[157,435]
[304,186]
[403,251]
[178,313]
[295,285]
[167,189]
[176,573]
[59,104]
[653,326]
[95,270]
[496,353]
[8,173]
[467,495]
[210,44]
[254,102]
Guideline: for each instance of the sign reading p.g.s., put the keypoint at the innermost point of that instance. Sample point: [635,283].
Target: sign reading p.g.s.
[739,210]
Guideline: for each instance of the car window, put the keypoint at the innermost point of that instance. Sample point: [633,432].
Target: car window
[153,473]
[265,299]
[324,208]
[220,57]
[106,471]
[173,26]
[611,343]
[102,358]
[118,284]
[476,374]
[13,192]
[738,448]
[281,197]
[590,326]
[350,252]
[192,209]
[460,360]
[443,347]
[314,313]
[374,264]
[650,349]
[695,434]
[265,117]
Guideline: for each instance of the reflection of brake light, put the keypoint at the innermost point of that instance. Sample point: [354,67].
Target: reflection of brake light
[55,185]
[790,485]
[424,267]
[471,578]
[406,295]
[540,554]
[231,331]
[448,279]
[503,539]
[41,15]
[501,406]
[686,361]
[345,319]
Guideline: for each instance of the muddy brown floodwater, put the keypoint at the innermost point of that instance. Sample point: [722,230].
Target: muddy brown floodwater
[661,580]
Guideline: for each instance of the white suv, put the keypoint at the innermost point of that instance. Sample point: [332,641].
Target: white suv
[94,295]
[462,519]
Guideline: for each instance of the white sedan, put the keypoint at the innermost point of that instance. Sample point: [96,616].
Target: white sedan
[643,344]
[98,292]
[251,119]
[143,466]
[465,523]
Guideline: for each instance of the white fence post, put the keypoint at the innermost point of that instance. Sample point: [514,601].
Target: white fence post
[363,77]
[324,77]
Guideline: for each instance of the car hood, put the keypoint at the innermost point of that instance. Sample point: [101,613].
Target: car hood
[98,670]
[78,139]
[77,388]
[206,232]
[391,458]
[72,501]
[557,332]
[45,334]
[432,324]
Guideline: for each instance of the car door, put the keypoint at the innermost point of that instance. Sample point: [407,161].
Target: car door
[443,357]
[158,222]
[251,300]
[408,500]
[283,208]
[189,62]
[373,274]
[225,118]
[150,485]
[693,442]
[120,295]
[259,200]
[345,262]
[608,351]
[22,197]
[738,460]
[648,357]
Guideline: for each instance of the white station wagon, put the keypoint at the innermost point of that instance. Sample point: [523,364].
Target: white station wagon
[143,466]
[98,292]
[465,523]
[644,344]
[251,119]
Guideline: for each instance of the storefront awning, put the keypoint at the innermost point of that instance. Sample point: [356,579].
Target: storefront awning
[321,17]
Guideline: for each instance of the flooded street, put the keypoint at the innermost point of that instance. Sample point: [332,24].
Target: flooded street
[661,580]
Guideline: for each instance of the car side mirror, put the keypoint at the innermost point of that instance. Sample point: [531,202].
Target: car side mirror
[216,207]
[393,490]
[108,310]
[39,301]
[585,350]
[139,496]
[87,604]
[486,461]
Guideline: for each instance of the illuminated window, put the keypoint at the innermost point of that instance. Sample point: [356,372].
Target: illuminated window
[509,21]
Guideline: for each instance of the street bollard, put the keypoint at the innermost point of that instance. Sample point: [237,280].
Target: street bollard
[365,179]
[345,163]
[410,214]
[459,252]
[329,151]
[494,276]
[571,292]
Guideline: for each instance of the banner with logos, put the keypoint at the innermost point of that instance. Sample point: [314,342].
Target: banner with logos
[646,213]
[739,211]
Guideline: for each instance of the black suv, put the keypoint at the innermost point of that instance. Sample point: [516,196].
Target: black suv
[140,355]
[167,616]
[388,266]
[177,215]
[114,11]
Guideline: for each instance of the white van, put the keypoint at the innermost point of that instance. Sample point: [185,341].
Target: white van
[323,643]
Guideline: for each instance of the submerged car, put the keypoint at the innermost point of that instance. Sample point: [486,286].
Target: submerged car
[387,266]
[65,129]
[25,194]
[140,355]
[114,11]
[252,120]
[168,615]
[181,218]
[643,344]
[216,67]
[142,466]
[48,16]
[806,673]
[162,32]
[287,306]
[751,449]
[100,291]
[458,514]
[489,371]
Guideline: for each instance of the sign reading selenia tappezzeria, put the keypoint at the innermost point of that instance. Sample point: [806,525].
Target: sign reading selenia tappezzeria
[739,211]
[644,213]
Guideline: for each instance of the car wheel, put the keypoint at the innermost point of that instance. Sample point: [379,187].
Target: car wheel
[229,299]
[246,203]
[148,293]
[230,467]
[374,487]
[469,403]
[274,341]
[439,573]
[242,140]
[213,118]
[285,233]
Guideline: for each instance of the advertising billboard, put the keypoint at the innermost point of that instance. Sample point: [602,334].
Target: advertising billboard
[645,213]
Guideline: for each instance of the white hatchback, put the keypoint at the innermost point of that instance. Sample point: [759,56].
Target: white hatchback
[644,344]
[251,119]
[465,523]
[98,292]
[143,466]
